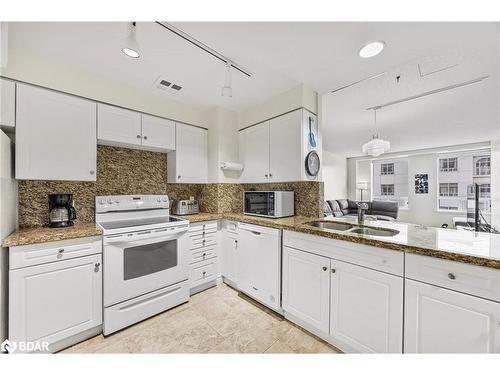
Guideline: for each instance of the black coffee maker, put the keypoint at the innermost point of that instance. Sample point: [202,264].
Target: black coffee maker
[61,210]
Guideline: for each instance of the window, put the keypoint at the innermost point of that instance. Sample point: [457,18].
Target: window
[482,166]
[387,189]
[387,168]
[468,167]
[448,165]
[484,191]
[448,189]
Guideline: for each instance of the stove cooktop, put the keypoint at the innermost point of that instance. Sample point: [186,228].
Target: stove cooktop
[122,224]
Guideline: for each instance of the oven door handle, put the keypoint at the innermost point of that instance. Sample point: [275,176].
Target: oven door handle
[147,236]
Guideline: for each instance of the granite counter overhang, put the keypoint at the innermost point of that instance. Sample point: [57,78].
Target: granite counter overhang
[480,249]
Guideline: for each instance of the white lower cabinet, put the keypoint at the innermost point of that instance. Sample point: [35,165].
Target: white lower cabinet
[54,301]
[204,267]
[229,263]
[306,288]
[259,260]
[366,309]
[438,320]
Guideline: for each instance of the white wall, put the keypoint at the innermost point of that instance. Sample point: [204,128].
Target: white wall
[298,97]
[48,72]
[222,144]
[334,175]
[8,219]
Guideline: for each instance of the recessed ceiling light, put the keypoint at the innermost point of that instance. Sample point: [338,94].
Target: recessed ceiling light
[130,53]
[372,49]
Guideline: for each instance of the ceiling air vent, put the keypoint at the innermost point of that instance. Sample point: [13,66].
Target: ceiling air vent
[167,85]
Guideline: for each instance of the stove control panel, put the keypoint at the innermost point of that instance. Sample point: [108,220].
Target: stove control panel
[108,203]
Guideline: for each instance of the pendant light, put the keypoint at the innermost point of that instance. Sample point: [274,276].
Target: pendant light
[131,48]
[227,90]
[376,146]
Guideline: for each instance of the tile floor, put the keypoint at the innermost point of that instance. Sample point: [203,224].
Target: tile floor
[217,320]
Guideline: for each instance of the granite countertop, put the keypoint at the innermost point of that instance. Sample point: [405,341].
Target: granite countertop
[30,236]
[481,249]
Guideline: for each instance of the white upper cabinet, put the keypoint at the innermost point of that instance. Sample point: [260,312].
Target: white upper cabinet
[55,136]
[157,133]
[254,153]
[7,103]
[188,163]
[439,320]
[285,147]
[306,287]
[118,126]
[366,309]
[275,150]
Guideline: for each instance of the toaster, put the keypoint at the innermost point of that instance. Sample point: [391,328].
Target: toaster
[185,207]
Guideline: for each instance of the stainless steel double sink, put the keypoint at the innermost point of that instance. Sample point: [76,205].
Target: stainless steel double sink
[353,228]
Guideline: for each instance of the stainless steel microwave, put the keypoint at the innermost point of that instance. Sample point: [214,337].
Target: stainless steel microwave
[268,203]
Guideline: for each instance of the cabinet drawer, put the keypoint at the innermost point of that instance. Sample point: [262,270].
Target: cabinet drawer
[31,255]
[478,281]
[203,254]
[390,261]
[202,242]
[205,226]
[203,235]
[203,271]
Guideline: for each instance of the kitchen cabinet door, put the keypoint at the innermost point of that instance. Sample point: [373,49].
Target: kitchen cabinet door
[229,256]
[55,136]
[306,287]
[158,133]
[254,153]
[55,301]
[259,261]
[439,320]
[285,147]
[7,103]
[118,126]
[366,309]
[188,164]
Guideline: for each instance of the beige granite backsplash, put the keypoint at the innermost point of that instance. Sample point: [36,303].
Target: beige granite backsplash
[128,171]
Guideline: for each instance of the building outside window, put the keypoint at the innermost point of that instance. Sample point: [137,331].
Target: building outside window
[390,181]
[468,167]
[387,189]
[485,191]
[482,166]
[448,164]
[448,189]
[387,168]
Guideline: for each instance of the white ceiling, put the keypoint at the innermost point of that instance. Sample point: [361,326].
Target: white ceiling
[323,56]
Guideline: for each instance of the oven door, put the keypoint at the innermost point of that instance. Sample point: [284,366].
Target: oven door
[141,262]
[259,203]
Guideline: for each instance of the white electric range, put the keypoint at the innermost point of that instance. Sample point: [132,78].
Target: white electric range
[145,258]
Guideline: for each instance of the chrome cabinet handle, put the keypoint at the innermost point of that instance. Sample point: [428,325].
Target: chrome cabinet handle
[179,177]
[96,267]
[92,172]
[324,268]
[145,137]
[138,136]
[256,233]
[333,270]
[61,251]
[451,276]
[270,175]
[265,175]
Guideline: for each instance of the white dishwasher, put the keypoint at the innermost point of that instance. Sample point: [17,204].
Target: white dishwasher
[259,264]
